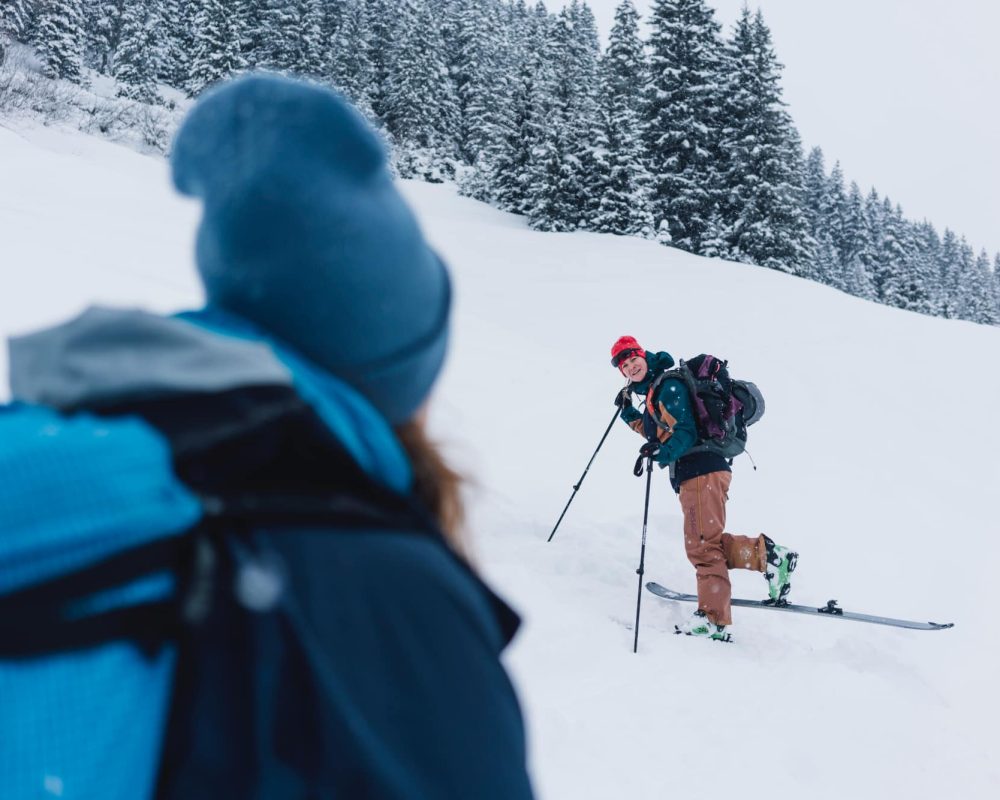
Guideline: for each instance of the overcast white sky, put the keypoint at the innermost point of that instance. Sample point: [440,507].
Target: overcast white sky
[904,93]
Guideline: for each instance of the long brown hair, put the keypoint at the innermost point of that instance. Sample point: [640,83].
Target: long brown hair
[436,484]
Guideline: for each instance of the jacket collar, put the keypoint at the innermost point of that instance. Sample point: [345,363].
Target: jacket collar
[106,357]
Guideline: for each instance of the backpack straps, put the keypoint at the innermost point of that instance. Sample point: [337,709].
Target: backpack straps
[681,373]
[51,616]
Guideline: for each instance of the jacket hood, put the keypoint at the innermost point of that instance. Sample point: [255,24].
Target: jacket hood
[657,362]
[109,356]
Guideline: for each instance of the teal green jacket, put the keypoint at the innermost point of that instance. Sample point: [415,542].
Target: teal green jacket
[672,408]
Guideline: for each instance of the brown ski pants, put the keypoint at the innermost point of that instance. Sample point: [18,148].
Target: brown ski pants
[711,550]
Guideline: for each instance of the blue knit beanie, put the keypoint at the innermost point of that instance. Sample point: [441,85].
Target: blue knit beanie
[304,234]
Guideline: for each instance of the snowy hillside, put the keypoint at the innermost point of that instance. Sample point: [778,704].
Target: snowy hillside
[877,460]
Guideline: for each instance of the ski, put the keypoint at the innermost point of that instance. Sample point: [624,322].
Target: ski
[831,610]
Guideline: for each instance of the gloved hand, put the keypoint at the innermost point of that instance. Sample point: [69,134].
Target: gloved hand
[624,398]
[649,450]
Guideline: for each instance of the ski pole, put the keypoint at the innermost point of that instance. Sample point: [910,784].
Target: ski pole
[576,488]
[642,552]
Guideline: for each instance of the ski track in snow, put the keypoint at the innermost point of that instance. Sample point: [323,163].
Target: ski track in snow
[892,512]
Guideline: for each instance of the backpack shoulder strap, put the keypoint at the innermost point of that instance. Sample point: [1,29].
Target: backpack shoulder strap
[53,616]
[679,373]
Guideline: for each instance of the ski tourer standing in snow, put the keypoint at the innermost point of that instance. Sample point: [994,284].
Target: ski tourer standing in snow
[229,548]
[701,479]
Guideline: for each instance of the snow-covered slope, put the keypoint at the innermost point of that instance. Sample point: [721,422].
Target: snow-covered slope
[876,460]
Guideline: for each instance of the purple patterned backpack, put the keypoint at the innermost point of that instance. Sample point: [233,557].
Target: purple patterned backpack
[723,407]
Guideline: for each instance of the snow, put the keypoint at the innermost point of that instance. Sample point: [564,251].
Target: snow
[876,460]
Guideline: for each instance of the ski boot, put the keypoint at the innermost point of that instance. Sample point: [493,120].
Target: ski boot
[780,563]
[700,625]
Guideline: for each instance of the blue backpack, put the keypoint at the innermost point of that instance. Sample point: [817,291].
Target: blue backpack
[173,632]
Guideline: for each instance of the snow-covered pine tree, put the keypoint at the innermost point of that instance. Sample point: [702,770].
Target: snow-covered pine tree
[135,64]
[383,39]
[102,21]
[217,53]
[302,39]
[926,276]
[996,283]
[871,252]
[834,211]
[474,41]
[347,57]
[762,207]
[177,41]
[512,172]
[814,190]
[964,282]
[823,200]
[982,305]
[856,247]
[276,23]
[59,37]
[897,255]
[581,72]
[421,110]
[554,194]
[16,18]
[255,45]
[620,181]
[681,114]
[949,274]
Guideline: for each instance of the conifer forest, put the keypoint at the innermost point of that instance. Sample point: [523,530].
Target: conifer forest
[680,135]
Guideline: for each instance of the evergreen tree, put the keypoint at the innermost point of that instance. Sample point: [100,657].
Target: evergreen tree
[996,285]
[421,110]
[348,63]
[474,37]
[302,38]
[949,269]
[836,202]
[578,88]
[621,182]
[900,285]
[59,38]
[856,248]
[558,196]
[814,191]
[16,18]
[103,27]
[217,53]
[135,66]
[255,41]
[276,23]
[681,113]
[823,201]
[177,41]
[512,176]
[763,214]
[982,305]
[964,282]
[870,250]
[927,253]
[382,40]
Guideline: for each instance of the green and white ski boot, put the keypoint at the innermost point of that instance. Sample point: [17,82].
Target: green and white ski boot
[701,626]
[781,563]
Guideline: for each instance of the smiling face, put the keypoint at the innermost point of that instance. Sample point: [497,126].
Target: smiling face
[634,368]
